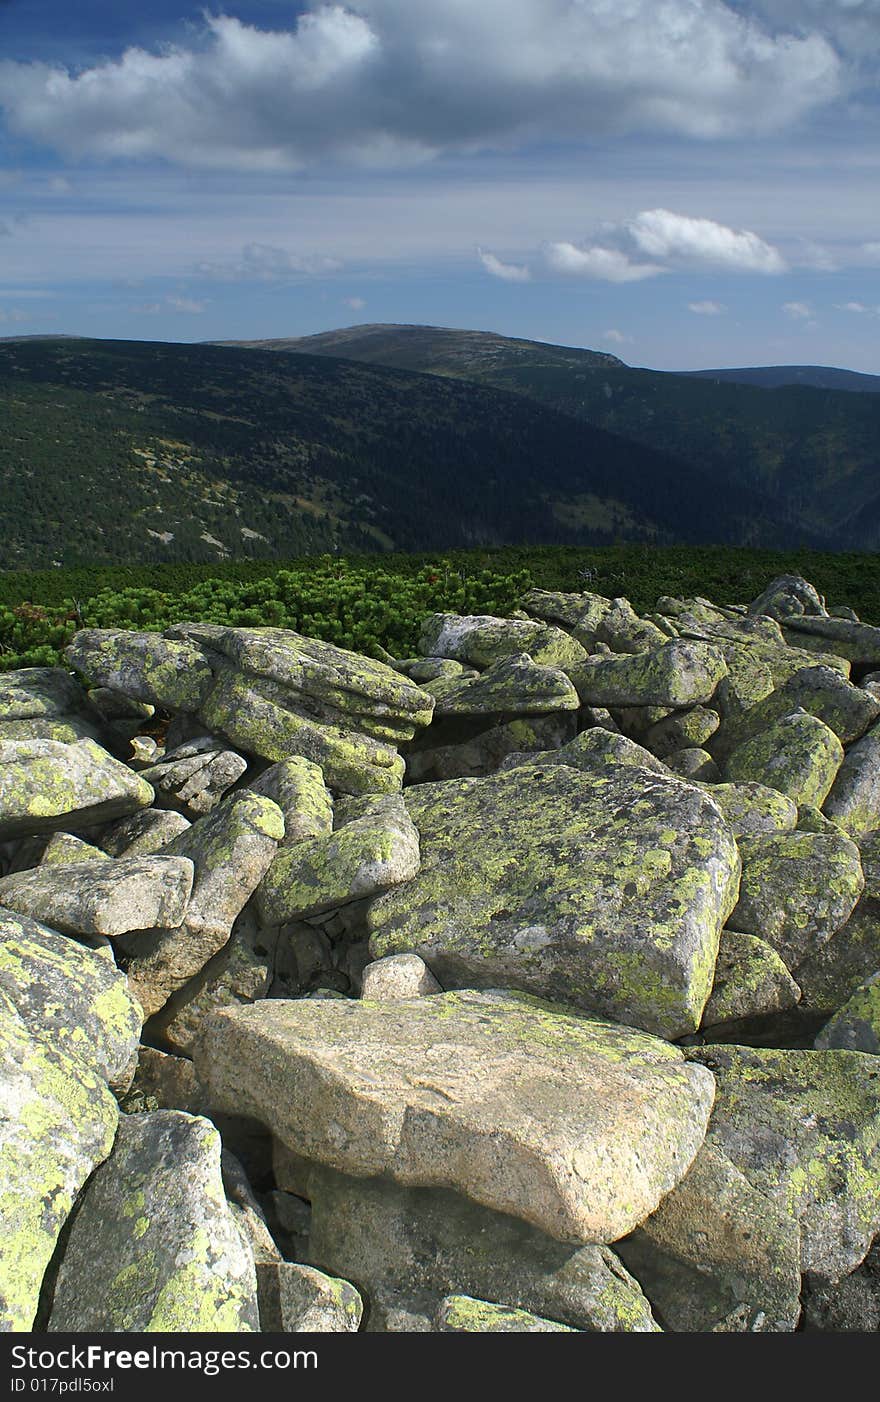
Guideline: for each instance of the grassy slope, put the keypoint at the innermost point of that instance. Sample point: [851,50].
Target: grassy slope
[119,451]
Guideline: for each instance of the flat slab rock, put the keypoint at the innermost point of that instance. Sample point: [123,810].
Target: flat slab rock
[45,785]
[606,890]
[103,897]
[577,1126]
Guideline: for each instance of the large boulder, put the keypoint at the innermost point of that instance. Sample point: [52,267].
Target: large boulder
[154,1246]
[804,1128]
[717,1255]
[798,754]
[409,1248]
[143,666]
[675,674]
[72,995]
[57,1125]
[109,897]
[578,1127]
[854,800]
[604,889]
[798,889]
[368,855]
[482,640]
[46,785]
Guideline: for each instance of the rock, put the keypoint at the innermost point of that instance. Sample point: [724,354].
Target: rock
[398,976]
[154,1246]
[62,848]
[197,783]
[717,1255]
[46,703]
[241,972]
[314,1303]
[798,889]
[694,765]
[482,641]
[606,890]
[591,751]
[571,610]
[427,1090]
[750,981]
[230,850]
[298,788]
[475,755]
[855,1026]
[45,785]
[514,685]
[366,856]
[103,897]
[623,630]
[789,596]
[461,1314]
[682,730]
[819,691]
[144,834]
[854,800]
[409,1248]
[255,714]
[834,971]
[71,996]
[676,674]
[798,755]
[803,1127]
[164,1082]
[857,642]
[753,810]
[57,1125]
[847,1306]
[143,666]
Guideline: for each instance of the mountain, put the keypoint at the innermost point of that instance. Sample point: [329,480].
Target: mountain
[139,451]
[812,376]
[813,453]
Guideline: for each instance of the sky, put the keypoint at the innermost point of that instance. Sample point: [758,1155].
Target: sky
[683,183]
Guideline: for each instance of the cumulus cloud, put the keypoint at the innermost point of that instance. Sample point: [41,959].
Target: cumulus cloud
[391,81]
[357,304]
[263,262]
[679,237]
[617,337]
[508,272]
[798,311]
[605,264]
[707,308]
[657,241]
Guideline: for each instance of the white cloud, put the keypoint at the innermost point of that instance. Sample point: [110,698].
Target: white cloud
[390,81]
[508,272]
[357,304]
[657,241]
[616,336]
[872,250]
[857,307]
[263,262]
[605,264]
[660,233]
[707,308]
[14,316]
[798,311]
[190,305]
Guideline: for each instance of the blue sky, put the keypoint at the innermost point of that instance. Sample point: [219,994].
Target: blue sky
[682,182]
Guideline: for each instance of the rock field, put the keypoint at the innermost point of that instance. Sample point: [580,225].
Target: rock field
[531,984]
